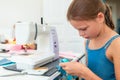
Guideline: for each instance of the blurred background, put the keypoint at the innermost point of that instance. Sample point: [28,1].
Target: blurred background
[53,13]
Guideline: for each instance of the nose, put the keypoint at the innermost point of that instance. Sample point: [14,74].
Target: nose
[81,33]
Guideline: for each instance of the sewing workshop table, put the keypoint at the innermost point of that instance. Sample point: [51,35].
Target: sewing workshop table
[25,77]
[29,77]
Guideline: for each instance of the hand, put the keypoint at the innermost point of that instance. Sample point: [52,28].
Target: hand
[74,68]
[29,46]
[80,70]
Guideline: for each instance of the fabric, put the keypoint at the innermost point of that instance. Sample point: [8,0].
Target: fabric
[99,63]
[64,75]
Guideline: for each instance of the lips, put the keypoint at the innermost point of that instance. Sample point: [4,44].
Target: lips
[86,37]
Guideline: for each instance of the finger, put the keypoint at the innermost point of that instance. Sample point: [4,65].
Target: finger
[73,74]
[69,72]
[62,64]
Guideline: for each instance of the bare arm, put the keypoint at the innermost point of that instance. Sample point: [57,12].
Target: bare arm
[116,57]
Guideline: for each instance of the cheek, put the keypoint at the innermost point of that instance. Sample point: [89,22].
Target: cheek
[92,32]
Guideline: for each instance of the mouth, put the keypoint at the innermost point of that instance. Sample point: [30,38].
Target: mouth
[86,37]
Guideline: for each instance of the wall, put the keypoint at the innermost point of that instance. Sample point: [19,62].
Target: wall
[118,8]
[54,12]
[12,11]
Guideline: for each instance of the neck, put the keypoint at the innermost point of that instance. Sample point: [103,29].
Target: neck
[105,33]
[102,38]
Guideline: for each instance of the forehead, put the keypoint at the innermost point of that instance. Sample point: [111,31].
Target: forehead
[79,23]
[83,23]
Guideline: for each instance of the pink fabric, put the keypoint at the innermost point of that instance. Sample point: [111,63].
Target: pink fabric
[67,54]
[16,47]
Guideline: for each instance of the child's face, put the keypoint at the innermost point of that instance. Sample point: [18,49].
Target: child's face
[87,29]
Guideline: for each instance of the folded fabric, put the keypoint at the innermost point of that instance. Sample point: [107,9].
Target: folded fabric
[5,61]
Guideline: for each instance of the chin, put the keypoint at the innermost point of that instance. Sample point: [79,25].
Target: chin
[86,37]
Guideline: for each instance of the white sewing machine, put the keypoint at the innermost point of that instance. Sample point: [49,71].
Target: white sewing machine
[47,45]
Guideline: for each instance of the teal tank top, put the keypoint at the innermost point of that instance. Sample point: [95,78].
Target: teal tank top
[99,63]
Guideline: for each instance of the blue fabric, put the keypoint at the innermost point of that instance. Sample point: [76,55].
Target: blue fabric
[99,63]
[63,72]
[5,62]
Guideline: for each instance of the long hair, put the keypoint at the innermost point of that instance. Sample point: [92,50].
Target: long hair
[88,10]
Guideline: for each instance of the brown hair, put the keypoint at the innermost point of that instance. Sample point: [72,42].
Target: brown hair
[89,9]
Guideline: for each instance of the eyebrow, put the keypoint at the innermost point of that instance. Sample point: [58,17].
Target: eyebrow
[83,28]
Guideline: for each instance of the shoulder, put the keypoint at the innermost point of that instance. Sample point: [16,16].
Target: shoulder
[116,43]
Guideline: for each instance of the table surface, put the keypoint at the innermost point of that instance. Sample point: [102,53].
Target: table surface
[26,77]
[29,77]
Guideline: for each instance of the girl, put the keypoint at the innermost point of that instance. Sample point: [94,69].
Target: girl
[92,19]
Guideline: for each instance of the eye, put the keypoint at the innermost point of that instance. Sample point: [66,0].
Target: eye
[84,29]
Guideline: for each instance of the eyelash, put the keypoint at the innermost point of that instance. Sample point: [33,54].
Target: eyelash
[82,29]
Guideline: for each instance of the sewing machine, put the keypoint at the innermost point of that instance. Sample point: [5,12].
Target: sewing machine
[47,45]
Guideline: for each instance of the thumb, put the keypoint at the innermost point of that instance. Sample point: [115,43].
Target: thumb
[62,64]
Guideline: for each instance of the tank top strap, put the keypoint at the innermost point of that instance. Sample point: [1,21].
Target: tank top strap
[110,41]
[107,44]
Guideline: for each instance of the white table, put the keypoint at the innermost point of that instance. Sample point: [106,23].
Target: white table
[24,77]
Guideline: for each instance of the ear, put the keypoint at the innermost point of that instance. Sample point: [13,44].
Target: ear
[100,17]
